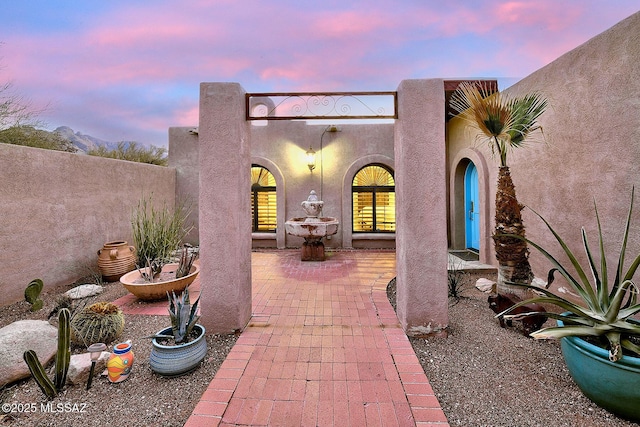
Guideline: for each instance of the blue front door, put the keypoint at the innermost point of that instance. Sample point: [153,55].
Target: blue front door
[472,208]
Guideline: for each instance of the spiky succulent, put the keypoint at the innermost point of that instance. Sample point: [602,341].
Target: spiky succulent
[100,322]
[606,308]
[183,315]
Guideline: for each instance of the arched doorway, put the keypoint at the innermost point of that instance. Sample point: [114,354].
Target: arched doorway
[472,208]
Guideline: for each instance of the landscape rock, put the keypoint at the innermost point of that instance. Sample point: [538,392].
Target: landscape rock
[485,285]
[20,336]
[80,366]
[84,291]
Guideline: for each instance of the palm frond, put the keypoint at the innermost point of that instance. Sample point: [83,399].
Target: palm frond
[502,122]
[526,111]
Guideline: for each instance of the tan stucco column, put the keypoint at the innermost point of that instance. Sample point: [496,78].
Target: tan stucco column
[421,215]
[225,210]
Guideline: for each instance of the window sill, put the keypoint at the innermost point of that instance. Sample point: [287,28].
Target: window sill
[373,236]
[263,236]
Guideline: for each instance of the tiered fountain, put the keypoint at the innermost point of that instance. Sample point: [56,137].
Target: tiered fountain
[313,228]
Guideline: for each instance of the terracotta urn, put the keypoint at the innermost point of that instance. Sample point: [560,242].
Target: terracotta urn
[115,259]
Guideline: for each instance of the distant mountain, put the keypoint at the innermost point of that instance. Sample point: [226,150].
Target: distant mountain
[83,142]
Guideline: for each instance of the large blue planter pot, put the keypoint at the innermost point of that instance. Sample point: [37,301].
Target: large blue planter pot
[176,360]
[614,386]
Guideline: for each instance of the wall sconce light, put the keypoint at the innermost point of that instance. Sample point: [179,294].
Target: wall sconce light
[311,159]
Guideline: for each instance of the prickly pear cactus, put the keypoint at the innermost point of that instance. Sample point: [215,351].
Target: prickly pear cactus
[32,292]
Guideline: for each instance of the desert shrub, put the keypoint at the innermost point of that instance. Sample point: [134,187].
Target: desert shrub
[158,232]
[133,152]
[456,279]
[29,136]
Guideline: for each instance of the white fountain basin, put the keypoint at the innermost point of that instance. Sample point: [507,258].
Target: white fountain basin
[312,228]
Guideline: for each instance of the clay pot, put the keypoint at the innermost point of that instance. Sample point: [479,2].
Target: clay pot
[116,259]
[120,362]
[158,290]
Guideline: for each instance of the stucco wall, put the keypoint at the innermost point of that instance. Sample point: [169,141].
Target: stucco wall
[225,219]
[592,149]
[184,157]
[421,254]
[58,209]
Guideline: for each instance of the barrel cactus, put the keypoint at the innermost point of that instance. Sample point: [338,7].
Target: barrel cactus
[100,322]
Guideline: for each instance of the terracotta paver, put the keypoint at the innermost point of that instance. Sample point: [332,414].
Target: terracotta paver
[323,348]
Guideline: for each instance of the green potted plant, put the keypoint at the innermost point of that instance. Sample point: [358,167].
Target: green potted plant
[180,348]
[157,235]
[600,340]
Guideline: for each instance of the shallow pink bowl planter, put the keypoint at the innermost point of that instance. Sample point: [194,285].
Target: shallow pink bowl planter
[158,290]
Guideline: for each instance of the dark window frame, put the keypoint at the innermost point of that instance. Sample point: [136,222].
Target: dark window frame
[374,190]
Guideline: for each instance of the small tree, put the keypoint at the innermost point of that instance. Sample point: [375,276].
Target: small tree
[19,123]
[14,109]
[504,124]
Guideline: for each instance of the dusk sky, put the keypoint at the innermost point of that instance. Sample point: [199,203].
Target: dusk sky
[128,70]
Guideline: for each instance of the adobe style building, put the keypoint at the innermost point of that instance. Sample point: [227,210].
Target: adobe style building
[420,182]
[406,182]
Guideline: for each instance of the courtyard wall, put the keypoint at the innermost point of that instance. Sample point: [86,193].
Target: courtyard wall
[58,209]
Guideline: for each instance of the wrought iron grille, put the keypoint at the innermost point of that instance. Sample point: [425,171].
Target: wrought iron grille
[321,105]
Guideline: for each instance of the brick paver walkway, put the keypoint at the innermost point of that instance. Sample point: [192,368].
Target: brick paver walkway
[323,348]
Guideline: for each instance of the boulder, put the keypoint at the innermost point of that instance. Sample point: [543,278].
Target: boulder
[84,291]
[80,366]
[485,285]
[20,336]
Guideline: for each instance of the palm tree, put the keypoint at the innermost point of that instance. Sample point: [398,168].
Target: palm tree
[503,123]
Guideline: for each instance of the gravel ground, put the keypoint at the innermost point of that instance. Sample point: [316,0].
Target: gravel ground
[484,375]
[143,399]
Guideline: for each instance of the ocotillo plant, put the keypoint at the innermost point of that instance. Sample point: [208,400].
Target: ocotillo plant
[63,357]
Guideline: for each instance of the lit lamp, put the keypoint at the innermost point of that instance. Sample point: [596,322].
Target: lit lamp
[311,159]
[94,350]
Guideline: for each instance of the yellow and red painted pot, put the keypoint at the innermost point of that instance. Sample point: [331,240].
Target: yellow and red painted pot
[120,362]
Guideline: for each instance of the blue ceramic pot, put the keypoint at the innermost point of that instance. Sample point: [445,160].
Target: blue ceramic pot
[614,386]
[175,360]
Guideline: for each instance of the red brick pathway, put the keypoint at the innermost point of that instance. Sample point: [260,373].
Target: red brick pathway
[323,348]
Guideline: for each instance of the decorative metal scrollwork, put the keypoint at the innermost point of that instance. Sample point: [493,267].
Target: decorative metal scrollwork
[316,105]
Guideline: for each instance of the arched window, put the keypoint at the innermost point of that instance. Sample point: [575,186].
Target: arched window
[263,200]
[374,200]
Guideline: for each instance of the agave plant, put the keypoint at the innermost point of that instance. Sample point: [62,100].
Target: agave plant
[186,260]
[183,316]
[606,308]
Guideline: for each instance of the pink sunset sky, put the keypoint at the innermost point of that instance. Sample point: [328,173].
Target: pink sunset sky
[128,70]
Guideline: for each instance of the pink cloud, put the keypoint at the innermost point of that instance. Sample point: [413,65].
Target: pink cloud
[134,62]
